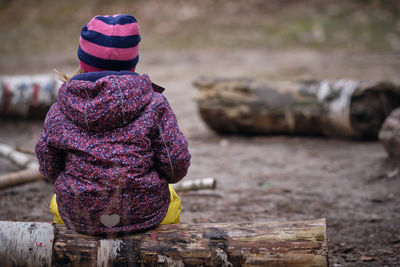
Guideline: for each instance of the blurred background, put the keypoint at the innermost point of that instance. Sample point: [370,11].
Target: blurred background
[44,34]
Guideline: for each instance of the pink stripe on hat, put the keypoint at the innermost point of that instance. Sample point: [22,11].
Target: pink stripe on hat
[109,43]
[113,30]
[109,52]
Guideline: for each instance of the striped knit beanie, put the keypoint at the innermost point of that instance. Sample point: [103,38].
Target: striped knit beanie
[109,43]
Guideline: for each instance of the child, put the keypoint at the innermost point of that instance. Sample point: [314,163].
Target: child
[111,143]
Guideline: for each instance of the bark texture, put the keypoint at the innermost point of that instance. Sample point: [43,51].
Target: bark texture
[20,177]
[27,96]
[218,244]
[345,108]
[20,159]
[389,135]
[296,243]
[28,163]
[26,244]
[197,184]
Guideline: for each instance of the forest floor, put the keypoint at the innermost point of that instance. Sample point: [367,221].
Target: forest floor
[351,183]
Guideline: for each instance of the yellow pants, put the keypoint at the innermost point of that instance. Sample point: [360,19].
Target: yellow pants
[172,217]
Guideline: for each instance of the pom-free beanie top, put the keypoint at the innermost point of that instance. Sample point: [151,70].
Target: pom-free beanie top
[109,43]
[111,145]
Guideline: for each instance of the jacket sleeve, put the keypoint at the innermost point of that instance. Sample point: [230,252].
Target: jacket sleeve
[51,159]
[172,157]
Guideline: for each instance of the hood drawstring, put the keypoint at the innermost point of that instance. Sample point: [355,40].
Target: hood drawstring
[166,148]
[86,103]
[122,100]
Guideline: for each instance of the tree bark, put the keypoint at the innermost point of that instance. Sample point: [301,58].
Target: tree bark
[344,108]
[29,164]
[389,135]
[20,177]
[20,159]
[197,184]
[27,96]
[297,243]
[26,244]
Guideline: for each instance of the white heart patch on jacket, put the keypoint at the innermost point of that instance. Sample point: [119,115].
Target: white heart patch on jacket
[109,220]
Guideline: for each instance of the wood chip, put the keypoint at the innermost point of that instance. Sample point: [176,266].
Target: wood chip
[366,258]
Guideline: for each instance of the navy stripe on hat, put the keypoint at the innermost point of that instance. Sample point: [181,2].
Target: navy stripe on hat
[121,19]
[102,40]
[94,76]
[109,41]
[106,63]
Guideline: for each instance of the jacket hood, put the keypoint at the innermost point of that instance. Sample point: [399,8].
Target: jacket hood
[101,101]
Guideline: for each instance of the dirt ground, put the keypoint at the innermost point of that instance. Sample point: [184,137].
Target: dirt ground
[350,183]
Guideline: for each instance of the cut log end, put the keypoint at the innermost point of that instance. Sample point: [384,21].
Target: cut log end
[371,105]
[389,135]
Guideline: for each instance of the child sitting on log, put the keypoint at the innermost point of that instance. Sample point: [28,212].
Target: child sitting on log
[111,144]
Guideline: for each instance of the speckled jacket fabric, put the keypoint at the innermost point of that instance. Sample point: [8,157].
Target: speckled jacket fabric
[111,145]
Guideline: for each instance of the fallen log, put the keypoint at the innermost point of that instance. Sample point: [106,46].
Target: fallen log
[27,96]
[296,243]
[29,164]
[32,175]
[20,177]
[389,134]
[25,150]
[344,108]
[20,159]
[196,184]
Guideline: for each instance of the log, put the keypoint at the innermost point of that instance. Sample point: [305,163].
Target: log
[18,158]
[344,108]
[32,175]
[26,243]
[389,134]
[196,184]
[31,96]
[29,164]
[296,243]
[25,150]
[27,96]
[20,177]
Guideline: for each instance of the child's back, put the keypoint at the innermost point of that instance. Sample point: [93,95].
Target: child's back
[112,144]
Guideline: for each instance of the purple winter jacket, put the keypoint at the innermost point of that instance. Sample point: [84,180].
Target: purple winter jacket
[111,145]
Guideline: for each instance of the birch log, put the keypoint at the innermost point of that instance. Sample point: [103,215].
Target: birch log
[28,163]
[27,96]
[297,243]
[196,184]
[389,135]
[345,108]
[26,244]
[20,159]
[31,175]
